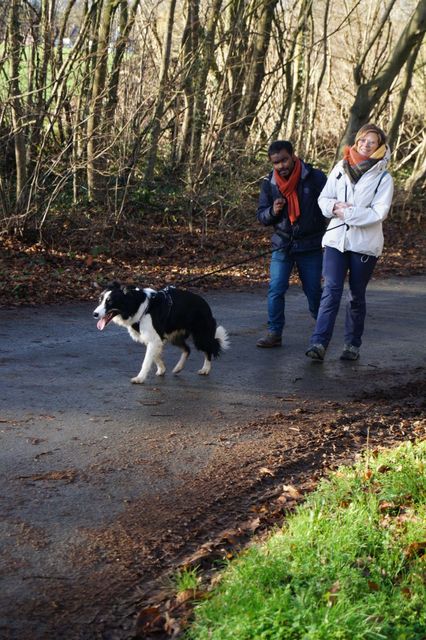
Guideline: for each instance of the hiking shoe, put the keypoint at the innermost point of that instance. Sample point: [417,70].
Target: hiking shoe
[350,352]
[270,340]
[316,352]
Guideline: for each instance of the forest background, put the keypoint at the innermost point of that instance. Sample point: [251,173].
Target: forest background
[134,134]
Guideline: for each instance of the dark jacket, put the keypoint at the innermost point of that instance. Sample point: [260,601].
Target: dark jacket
[306,233]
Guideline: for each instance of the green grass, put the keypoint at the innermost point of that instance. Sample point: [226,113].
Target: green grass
[186,580]
[349,565]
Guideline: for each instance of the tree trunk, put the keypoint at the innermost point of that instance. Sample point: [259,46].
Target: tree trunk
[418,174]
[369,93]
[16,104]
[396,121]
[318,82]
[256,68]
[161,95]
[189,55]
[233,75]
[95,139]
[200,85]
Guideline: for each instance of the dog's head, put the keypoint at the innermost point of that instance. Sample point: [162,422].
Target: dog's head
[119,303]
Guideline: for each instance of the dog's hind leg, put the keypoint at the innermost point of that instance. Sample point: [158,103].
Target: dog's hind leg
[205,369]
[205,342]
[178,339]
[152,355]
[181,363]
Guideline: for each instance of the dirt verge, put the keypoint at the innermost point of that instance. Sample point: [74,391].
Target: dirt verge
[259,473]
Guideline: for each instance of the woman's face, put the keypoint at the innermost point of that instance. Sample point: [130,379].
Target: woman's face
[368,144]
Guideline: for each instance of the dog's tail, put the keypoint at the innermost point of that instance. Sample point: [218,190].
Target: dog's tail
[222,340]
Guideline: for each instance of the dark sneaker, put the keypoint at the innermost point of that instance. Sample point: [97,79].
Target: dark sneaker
[350,352]
[316,352]
[270,340]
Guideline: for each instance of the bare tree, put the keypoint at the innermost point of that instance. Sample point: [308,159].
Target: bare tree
[161,94]
[15,44]
[369,92]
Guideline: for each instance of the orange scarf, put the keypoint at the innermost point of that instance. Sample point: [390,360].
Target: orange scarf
[355,164]
[288,189]
[352,156]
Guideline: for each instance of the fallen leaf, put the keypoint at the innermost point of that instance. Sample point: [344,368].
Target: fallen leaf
[148,619]
[415,550]
[291,491]
[264,471]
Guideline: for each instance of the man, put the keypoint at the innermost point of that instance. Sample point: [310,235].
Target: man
[289,202]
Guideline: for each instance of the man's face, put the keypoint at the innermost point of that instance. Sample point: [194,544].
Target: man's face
[283,162]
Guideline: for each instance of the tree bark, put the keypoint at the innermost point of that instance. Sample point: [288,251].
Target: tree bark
[200,85]
[161,95]
[396,121]
[418,174]
[369,93]
[95,139]
[256,69]
[16,104]
[189,53]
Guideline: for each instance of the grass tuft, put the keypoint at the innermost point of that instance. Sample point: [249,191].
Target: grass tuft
[186,580]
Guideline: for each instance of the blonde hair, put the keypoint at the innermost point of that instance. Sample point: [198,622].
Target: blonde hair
[371,128]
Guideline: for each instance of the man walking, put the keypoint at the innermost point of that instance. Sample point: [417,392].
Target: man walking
[288,201]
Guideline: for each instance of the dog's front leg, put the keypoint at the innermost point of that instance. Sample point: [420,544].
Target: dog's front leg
[153,354]
[161,367]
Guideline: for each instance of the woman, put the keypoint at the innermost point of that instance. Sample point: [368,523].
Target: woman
[357,197]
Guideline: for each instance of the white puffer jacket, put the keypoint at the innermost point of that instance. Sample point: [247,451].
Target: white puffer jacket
[371,199]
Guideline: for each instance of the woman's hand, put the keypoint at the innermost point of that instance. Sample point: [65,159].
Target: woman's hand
[339,209]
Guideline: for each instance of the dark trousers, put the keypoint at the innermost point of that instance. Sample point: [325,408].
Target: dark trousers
[335,267]
[309,266]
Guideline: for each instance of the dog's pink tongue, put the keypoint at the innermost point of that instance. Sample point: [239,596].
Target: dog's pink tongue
[101,324]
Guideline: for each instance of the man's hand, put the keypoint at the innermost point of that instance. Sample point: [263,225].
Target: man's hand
[339,209]
[278,206]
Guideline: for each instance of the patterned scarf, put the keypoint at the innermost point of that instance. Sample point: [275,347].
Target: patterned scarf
[288,188]
[355,164]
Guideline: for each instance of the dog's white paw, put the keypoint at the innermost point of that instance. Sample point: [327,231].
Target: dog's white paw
[205,369]
[204,372]
[177,368]
[160,372]
[137,380]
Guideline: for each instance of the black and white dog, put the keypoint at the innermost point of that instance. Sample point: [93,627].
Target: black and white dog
[155,317]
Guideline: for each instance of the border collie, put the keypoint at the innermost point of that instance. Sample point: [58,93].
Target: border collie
[156,317]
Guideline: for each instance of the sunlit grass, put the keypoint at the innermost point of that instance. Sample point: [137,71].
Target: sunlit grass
[186,580]
[349,565]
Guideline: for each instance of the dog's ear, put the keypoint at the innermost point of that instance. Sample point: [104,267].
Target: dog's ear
[128,288]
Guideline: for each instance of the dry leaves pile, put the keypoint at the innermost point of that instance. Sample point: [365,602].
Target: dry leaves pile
[155,256]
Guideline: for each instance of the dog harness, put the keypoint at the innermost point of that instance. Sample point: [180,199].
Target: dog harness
[168,298]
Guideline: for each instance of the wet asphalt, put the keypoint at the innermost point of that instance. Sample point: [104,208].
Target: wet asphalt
[67,404]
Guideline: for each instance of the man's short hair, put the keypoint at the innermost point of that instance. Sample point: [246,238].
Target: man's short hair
[279,145]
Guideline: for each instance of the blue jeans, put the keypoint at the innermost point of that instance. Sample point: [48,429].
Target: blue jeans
[336,266]
[309,266]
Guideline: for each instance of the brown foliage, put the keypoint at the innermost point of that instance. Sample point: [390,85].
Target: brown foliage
[34,273]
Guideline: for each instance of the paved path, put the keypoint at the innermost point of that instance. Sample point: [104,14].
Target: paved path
[68,409]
